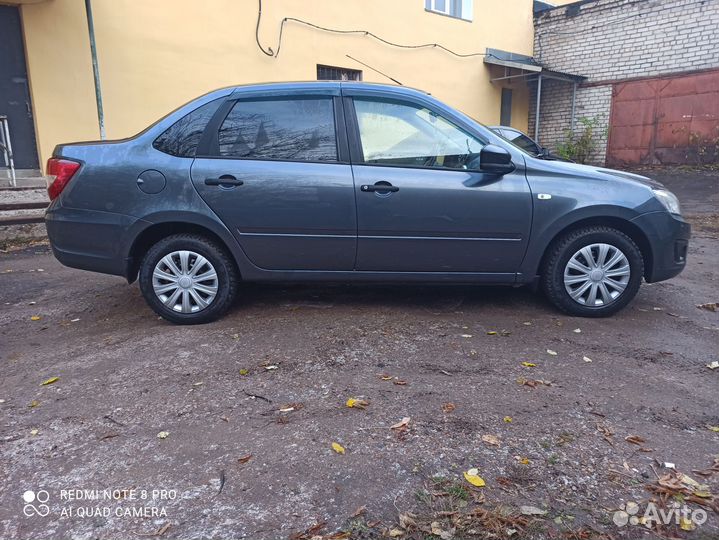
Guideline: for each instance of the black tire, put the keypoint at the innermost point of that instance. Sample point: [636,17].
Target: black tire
[559,254]
[218,257]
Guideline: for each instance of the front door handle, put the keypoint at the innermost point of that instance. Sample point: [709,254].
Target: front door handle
[226,180]
[380,187]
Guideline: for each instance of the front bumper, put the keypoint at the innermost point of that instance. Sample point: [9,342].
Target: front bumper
[668,237]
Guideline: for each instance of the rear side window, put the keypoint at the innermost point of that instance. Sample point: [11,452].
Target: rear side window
[290,129]
[182,137]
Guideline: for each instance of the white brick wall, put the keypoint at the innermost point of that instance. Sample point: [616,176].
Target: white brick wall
[611,40]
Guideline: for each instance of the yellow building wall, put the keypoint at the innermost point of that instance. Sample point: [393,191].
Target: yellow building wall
[155,55]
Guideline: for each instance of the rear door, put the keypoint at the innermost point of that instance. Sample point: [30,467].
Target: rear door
[420,206]
[276,173]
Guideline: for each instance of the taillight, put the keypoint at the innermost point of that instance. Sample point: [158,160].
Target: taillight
[61,172]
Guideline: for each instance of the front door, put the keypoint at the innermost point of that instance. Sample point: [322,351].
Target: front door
[276,180]
[421,205]
[15,92]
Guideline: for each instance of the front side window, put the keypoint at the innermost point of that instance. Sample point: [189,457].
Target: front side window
[406,135]
[182,137]
[521,140]
[289,129]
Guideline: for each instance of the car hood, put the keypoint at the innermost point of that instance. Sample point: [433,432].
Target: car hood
[577,171]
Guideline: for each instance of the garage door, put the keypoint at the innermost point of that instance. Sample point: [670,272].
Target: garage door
[666,120]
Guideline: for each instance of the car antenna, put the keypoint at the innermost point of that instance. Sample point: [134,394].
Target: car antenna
[373,69]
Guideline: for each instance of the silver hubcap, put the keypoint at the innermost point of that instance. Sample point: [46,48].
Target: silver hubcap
[185,281]
[597,275]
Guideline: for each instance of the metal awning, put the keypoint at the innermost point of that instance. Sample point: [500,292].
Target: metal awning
[530,70]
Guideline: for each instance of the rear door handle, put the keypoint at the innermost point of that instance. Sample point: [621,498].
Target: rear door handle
[226,180]
[381,186]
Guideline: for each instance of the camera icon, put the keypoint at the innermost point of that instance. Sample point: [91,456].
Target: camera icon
[36,503]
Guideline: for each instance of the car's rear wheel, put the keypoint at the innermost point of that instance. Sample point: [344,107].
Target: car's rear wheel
[188,279]
[592,272]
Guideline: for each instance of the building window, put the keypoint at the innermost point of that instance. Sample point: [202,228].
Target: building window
[460,9]
[333,73]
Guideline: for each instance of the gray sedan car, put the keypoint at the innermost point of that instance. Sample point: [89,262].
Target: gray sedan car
[344,181]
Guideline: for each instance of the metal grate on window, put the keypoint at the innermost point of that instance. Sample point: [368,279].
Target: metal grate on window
[332,73]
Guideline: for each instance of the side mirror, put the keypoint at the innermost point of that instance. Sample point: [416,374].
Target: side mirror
[495,159]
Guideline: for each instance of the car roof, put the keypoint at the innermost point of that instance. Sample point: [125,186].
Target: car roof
[327,86]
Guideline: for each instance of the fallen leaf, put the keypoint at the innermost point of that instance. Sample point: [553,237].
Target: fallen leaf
[712,306]
[551,352]
[529,364]
[361,510]
[386,377]
[244,372]
[491,333]
[703,493]
[443,534]
[245,459]
[400,382]
[491,439]
[402,424]
[407,521]
[34,403]
[686,524]
[715,429]
[532,511]
[507,419]
[35,318]
[523,460]
[163,435]
[472,476]
[354,403]
[51,380]
[337,447]
[634,439]
[394,533]
[448,407]
[713,365]
[587,359]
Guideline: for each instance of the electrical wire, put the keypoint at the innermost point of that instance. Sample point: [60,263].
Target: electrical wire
[270,52]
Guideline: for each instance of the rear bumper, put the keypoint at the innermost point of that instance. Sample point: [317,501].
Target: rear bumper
[668,237]
[89,239]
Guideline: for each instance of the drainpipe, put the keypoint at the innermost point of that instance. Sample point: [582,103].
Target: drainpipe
[539,99]
[574,106]
[95,69]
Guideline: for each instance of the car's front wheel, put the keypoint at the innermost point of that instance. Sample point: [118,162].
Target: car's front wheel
[188,279]
[592,272]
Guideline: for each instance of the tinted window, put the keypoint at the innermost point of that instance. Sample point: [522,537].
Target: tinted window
[399,134]
[295,129]
[182,137]
[524,142]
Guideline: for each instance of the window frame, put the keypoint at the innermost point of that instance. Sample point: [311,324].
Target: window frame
[355,142]
[209,146]
[429,6]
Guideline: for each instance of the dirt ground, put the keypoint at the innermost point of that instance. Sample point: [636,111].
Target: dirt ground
[251,405]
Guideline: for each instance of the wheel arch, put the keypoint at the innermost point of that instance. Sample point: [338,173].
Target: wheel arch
[621,224]
[155,232]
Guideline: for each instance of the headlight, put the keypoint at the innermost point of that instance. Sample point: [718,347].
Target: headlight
[669,200]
